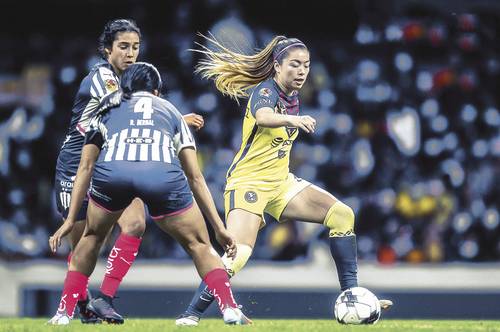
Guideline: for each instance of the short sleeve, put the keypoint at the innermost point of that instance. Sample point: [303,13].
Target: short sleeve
[103,82]
[94,134]
[183,137]
[263,96]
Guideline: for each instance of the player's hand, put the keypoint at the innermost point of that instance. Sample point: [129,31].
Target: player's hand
[194,120]
[305,122]
[227,242]
[55,240]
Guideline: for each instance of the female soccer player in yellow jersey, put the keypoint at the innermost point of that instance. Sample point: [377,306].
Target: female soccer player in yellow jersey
[258,179]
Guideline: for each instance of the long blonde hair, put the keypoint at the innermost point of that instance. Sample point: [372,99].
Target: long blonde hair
[234,73]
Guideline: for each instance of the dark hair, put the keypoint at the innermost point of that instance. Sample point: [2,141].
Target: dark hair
[140,76]
[111,29]
[284,46]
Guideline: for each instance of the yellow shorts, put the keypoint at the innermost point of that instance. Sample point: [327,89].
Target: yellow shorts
[274,202]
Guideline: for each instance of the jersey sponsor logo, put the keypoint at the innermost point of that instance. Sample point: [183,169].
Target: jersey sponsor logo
[265,92]
[251,196]
[276,141]
[139,140]
[65,198]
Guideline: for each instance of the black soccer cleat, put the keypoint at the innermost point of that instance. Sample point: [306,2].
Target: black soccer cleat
[87,316]
[102,307]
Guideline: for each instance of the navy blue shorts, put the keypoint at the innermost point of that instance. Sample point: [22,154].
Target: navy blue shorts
[63,186]
[162,187]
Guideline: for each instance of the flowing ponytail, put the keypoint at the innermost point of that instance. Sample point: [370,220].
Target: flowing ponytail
[234,73]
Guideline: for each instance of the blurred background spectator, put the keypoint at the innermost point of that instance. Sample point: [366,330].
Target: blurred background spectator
[405,94]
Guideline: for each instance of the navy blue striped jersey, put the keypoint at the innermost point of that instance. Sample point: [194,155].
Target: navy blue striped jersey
[99,82]
[143,128]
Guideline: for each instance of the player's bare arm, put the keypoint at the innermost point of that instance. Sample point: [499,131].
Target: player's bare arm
[194,120]
[204,198]
[90,153]
[266,117]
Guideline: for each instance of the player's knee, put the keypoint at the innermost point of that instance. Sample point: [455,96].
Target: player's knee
[340,220]
[199,249]
[134,226]
[235,265]
[94,234]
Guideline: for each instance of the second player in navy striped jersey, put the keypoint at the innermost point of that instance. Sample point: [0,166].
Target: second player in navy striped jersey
[138,145]
[119,48]
[99,82]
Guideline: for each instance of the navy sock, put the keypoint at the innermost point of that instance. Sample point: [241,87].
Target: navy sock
[344,253]
[200,301]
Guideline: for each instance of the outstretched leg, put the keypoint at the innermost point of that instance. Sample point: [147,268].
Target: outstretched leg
[244,226]
[190,231]
[314,204]
[121,257]
[133,224]
[84,257]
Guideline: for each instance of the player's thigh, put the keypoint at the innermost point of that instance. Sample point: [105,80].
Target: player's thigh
[187,228]
[311,204]
[133,219]
[76,233]
[99,220]
[244,226]
[244,209]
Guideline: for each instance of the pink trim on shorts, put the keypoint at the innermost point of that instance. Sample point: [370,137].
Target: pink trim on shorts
[100,206]
[172,213]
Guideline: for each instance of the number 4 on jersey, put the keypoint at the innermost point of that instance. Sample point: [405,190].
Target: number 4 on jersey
[145,106]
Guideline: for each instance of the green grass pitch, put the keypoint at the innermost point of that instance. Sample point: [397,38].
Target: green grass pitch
[276,325]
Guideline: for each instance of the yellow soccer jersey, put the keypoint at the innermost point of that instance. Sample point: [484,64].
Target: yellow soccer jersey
[264,156]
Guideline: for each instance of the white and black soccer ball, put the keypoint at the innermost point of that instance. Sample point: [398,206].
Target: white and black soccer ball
[357,305]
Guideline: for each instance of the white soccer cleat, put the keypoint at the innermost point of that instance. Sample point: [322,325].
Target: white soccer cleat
[59,319]
[187,320]
[234,316]
[385,304]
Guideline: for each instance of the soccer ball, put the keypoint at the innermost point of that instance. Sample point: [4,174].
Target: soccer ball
[357,305]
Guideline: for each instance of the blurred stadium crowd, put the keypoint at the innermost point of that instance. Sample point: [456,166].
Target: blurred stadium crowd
[408,127]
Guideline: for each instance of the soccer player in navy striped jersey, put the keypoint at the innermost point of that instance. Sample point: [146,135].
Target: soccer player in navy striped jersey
[138,145]
[119,46]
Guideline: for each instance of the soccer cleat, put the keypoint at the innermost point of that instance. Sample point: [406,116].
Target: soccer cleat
[102,307]
[186,319]
[385,304]
[234,316]
[59,319]
[87,316]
